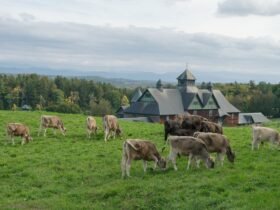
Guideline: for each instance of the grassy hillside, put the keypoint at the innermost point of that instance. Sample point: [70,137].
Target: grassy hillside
[73,172]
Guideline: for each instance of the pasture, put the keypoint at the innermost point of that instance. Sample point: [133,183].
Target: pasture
[74,172]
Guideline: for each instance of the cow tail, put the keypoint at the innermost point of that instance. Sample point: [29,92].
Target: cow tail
[229,153]
[130,144]
[166,143]
[124,158]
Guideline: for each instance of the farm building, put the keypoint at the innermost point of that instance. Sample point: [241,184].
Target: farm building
[160,104]
[252,118]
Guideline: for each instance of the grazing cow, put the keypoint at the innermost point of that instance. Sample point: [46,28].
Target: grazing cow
[181,117]
[261,134]
[170,126]
[207,126]
[18,129]
[111,125]
[217,143]
[51,122]
[189,146]
[137,149]
[91,126]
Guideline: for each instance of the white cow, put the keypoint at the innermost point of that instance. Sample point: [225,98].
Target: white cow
[111,126]
[261,134]
[91,126]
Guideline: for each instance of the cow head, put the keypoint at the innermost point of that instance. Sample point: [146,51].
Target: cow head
[27,139]
[210,163]
[161,163]
[63,130]
[230,155]
[118,131]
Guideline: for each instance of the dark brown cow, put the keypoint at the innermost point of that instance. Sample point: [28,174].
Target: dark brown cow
[217,143]
[193,122]
[170,126]
[189,146]
[137,149]
[18,129]
[54,122]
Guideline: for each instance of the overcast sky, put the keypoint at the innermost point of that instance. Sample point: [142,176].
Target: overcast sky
[237,38]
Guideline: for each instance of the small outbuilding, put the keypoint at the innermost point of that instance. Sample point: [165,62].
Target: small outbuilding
[252,118]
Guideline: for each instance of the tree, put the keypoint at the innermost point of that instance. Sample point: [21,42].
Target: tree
[125,101]
[102,108]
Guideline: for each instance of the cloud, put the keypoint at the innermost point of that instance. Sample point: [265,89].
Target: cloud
[105,48]
[249,7]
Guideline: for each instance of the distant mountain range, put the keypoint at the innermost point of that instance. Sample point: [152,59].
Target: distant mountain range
[118,79]
[137,78]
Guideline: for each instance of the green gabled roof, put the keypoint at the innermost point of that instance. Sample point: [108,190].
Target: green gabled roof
[186,75]
[137,94]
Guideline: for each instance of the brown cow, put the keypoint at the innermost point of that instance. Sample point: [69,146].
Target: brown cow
[137,149]
[111,126]
[189,146]
[54,122]
[217,143]
[91,126]
[18,129]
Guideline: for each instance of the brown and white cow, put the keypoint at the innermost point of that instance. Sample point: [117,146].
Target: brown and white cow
[18,129]
[137,149]
[111,126]
[91,126]
[217,143]
[261,134]
[188,146]
[48,121]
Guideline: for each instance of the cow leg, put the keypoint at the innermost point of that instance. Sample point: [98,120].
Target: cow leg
[197,162]
[114,134]
[23,141]
[145,165]
[156,161]
[172,156]
[105,135]
[13,140]
[128,165]
[45,132]
[123,165]
[190,161]
[220,158]
[88,133]
[40,129]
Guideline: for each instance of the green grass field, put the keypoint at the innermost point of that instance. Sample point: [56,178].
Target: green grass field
[73,172]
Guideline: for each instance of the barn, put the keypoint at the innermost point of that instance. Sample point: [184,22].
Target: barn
[160,104]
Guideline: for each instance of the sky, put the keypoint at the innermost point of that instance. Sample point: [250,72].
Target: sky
[220,40]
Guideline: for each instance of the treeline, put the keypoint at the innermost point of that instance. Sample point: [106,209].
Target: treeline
[61,94]
[73,95]
[251,97]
